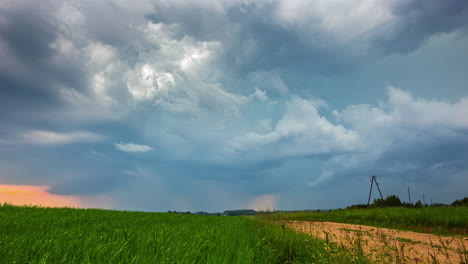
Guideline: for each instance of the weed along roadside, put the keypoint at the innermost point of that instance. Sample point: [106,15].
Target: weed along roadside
[387,235]
[448,220]
[383,245]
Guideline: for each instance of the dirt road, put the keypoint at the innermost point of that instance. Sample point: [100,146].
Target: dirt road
[388,245]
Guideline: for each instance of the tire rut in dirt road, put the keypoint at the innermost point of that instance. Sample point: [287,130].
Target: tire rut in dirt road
[385,245]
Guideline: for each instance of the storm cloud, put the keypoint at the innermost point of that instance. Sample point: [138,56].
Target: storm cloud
[212,105]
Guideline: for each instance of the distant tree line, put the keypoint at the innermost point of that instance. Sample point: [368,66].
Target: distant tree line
[175,212]
[394,201]
[197,213]
[390,201]
[239,212]
[462,202]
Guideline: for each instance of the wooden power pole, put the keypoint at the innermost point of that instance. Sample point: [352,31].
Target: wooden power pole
[370,192]
[378,188]
[374,179]
[409,195]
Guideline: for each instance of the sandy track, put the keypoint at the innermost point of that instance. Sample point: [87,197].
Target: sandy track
[385,245]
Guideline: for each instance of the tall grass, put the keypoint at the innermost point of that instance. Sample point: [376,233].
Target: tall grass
[65,235]
[439,220]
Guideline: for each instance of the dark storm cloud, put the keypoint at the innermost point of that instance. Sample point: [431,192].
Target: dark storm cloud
[418,20]
[252,38]
[30,70]
[26,35]
[110,41]
[27,32]
[437,171]
[263,44]
[255,39]
[427,162]
[434,166]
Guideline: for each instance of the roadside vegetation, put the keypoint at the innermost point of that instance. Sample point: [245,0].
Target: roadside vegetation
[383,246]
[66,235]
[442,220]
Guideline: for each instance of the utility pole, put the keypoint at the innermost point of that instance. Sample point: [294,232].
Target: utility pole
[424,199]
[370,192]
[409,195]
[378,188]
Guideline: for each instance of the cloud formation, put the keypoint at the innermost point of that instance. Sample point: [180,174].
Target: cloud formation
[167,55]
[404,117]
[404,136]
[300,132]
[256,102]
[132,148]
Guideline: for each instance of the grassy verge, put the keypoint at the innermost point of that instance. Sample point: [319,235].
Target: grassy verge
[437,220]
[65,235]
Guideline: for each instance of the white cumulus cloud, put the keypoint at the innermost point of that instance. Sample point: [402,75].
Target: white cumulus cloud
[401,125]
[132,148]
[301,131]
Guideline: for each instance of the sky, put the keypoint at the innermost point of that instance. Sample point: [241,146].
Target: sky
[211,105]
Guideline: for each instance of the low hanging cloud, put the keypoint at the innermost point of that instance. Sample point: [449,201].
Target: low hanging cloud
[404,119]
[404,137]
[132,148]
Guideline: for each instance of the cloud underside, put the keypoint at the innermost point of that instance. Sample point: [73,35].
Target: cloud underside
[393,138]
[178,60]
[402,119]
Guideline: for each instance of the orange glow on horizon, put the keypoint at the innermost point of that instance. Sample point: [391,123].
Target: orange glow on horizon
[36,195]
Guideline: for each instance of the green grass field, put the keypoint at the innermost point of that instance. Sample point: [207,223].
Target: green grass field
[64,235]
[438,220]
